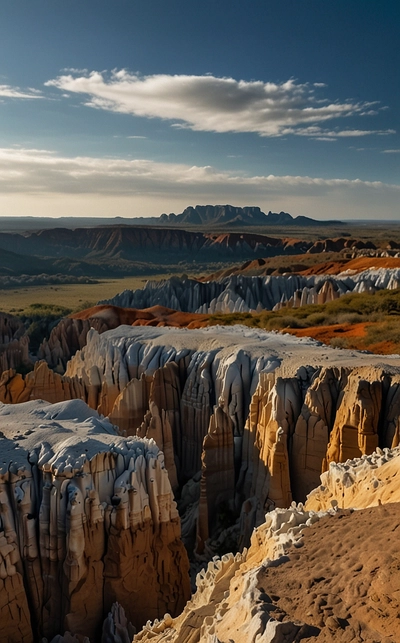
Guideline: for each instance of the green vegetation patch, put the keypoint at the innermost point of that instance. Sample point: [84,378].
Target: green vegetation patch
[353,308]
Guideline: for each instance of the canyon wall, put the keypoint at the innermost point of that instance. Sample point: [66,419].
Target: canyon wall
[87,519]
[14,343]
[244,425]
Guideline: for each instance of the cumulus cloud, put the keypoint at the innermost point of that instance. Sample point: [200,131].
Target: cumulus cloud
[7,91]
[208,103]
[40,172]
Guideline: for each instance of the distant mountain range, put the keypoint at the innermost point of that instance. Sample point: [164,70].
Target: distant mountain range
[232,215]
[210,215]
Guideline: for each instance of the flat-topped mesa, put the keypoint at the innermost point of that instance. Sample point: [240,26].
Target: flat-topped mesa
[239,293]
[88,518]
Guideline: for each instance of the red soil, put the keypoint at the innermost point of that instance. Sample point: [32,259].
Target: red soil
[114,316]
[357,265]
[353,335]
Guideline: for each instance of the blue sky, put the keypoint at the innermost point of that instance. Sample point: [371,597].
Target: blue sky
[138,107]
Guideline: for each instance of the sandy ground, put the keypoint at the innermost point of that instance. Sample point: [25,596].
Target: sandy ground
[344,582]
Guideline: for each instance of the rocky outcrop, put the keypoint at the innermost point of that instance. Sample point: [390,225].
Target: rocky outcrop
[87,518]
[229,603]
[40,384]
[69,335]
[14,343]
[286,587]
[361,482]
[239,293]
[244,425]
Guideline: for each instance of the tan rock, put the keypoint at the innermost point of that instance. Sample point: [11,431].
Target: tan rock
[355,431]
[217,485]
[313,428]
[88,519]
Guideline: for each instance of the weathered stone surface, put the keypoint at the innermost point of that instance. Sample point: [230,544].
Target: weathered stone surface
[239,293]
[313,429]
[14,343]
[285,587]
[40,384]
[217,485]
[355,431]
[88,519]
[362,482]
[165,384]
[229,604]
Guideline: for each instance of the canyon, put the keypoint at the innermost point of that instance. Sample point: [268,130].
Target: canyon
[146,456]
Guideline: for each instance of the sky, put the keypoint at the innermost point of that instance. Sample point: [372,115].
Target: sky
[138,107]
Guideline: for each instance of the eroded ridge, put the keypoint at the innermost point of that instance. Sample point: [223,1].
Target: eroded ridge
[316,575]
[87,518]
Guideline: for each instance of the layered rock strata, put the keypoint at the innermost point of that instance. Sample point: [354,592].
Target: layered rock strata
[238,293]
[244,425]
[87,518]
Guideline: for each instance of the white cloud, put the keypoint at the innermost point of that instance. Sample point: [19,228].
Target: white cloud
[321,134]
[7,91]
[390,151]
[35,171]
[208,103]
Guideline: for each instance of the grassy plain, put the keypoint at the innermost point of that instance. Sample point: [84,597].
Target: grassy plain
[71,296]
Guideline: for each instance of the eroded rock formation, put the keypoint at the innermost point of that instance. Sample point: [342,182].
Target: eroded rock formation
[239,293]
[87,518]
[244,425]
[286,587]
[14,343]
[70,333]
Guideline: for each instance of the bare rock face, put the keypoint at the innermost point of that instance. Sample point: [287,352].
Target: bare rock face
[217,485]
[14,343]
[70,334]
[244,425]
[40,384]
[87,519]
[355,431]
[230,604]
[362,482]
[240,293]
[65,339]
[313,428]
[285,587]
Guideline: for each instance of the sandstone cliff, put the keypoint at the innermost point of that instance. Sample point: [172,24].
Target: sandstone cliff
[87,518]
[244,426]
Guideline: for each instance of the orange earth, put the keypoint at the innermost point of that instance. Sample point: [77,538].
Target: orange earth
[353,336]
